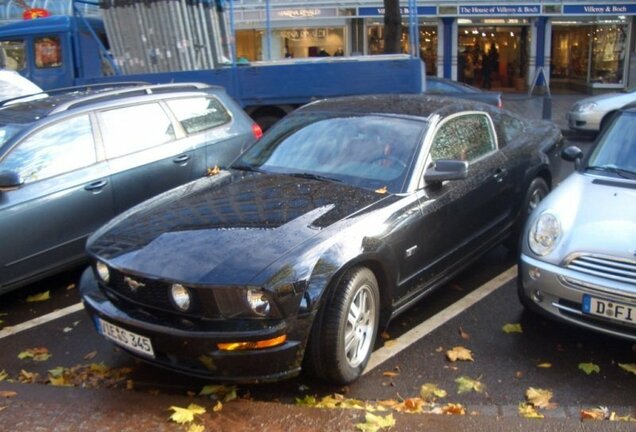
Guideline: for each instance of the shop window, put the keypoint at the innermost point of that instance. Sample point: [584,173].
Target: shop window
[428,43]
[12,55]
[608,54]
[48,52]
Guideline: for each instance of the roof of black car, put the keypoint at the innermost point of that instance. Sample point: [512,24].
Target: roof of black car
[418,105]
[34,108]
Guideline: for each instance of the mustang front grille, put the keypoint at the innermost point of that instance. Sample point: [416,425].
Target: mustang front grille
[616,269]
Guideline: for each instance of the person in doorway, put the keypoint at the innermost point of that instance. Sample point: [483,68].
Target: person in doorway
[323,53]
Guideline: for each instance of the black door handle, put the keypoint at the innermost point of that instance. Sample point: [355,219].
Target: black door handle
[96,186]
[500,173]
[181,159]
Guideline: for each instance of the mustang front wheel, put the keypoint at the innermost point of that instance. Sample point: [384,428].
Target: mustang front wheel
[349,326]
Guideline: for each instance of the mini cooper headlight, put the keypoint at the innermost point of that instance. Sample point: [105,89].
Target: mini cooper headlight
[181,297]
[544,234]
[588,106]
[258,301]
[102,271]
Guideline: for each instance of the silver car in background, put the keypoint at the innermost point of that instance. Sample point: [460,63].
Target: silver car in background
[578,259]
[594,113]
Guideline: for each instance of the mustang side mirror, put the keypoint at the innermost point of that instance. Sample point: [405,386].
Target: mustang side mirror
[9,180]
[572,154]
[443,170]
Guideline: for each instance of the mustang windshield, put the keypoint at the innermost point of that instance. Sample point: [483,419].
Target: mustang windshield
[616,151]
[371,151]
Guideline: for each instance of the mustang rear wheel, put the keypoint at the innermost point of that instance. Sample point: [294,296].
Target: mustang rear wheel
[535,193]
[342,341]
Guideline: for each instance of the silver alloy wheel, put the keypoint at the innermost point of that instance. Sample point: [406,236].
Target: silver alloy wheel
[536,197]
[360,326]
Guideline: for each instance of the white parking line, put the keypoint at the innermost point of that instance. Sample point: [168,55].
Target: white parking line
[409,338]
[10,331]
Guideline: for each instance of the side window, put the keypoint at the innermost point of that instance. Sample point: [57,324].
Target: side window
[12,55]
[511,127]
[48,52]
[134,128]
[467,137]
[60,148]
[200,113]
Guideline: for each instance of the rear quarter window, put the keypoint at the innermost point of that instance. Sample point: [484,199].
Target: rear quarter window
[199,113]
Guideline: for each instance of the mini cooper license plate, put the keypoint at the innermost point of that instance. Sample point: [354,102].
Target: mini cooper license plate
[133,341]
[609,309]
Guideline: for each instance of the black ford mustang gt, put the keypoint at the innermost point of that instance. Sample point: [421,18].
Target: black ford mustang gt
[343,215]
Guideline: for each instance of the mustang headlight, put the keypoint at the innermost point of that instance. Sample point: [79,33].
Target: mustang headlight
[258,301]
[102,271]
[544,234]
[181,297]
[588,106]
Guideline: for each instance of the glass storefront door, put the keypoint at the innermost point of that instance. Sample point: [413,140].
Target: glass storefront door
[493,56]
[589,53]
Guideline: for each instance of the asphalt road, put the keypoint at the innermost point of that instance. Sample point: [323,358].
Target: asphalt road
[544,355]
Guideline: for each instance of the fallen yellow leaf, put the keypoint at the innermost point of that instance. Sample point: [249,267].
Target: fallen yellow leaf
[36,354]
[459,353]
[529,411]
[186,415]
[196,428]
[211,172]
[7,394]
[218,407]
[466,384]
[600,413]
[382,190]
[3,375]
[539,398]
[373,423]
[629,367]
[589,368]
[544,365]
[454,409]
[390,374]
[43,296]
[512,328]
[429,392]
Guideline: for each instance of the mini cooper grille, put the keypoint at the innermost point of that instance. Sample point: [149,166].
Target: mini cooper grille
[606,267]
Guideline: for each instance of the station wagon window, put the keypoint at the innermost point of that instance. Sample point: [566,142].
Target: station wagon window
[48,52]
[467,137]
[60,148]
[199,114]
[134,128]
[12,55]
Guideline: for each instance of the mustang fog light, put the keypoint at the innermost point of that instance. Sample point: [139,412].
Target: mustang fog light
[544,234]
[102,271]
[237,346]
[537,296]
[181,297]
[534,273]
[258,301]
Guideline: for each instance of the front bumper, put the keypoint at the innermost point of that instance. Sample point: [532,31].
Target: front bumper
[194,350]
[558,292]
[584,121]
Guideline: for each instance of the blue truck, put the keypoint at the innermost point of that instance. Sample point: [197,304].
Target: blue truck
[63,51]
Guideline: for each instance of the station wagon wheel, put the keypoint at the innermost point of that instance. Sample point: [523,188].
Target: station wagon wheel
[348,330]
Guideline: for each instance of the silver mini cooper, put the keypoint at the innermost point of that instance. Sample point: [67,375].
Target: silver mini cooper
[578,257]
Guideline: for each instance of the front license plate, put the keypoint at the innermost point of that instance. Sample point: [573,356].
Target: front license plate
[134,342]
[609,309]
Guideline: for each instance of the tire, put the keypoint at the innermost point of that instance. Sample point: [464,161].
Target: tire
[344,334]
[535,193]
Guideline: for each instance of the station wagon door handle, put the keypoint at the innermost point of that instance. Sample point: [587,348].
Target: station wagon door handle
[96,186]
[500,174]
[181,159]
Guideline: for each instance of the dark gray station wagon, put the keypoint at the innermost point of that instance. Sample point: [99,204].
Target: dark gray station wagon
[69,162]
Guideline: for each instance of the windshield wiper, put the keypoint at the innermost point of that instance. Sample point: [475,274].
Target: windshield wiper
[315,177]
[625,173]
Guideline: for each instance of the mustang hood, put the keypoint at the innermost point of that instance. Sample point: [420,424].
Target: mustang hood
[225,229]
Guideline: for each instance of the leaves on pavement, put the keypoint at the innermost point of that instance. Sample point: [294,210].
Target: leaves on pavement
[6,394]
[36,354]
[430,392]
[374,423]
[43,296]
[196,428]
[3,375]
[539,398]
[528,410]
[219,392]
[512,328]
[459,353]
[466,384]
[544,365]
[589,368]
[26,377]
[186,415]
[93,375]
[629,367]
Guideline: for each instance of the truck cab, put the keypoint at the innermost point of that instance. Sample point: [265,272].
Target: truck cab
[54,52]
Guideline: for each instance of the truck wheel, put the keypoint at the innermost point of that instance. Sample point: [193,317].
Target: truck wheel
[344,338]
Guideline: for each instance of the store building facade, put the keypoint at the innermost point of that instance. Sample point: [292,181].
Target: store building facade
[582,45]
[586,44]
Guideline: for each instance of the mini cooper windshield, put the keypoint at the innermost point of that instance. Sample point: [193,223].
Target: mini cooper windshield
[370,152]
[616,150]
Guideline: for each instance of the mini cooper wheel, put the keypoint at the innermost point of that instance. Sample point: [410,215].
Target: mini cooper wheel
[343,340]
